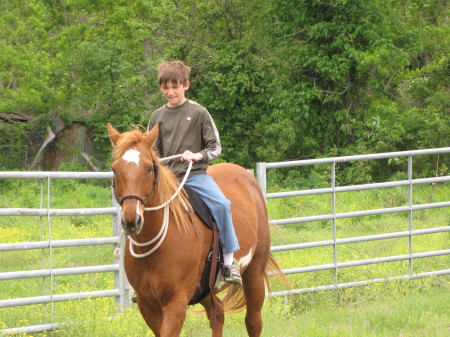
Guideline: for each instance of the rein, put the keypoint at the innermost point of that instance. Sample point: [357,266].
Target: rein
[159,238]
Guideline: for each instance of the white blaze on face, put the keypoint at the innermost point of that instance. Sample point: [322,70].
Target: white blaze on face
[132,156]
[138,210]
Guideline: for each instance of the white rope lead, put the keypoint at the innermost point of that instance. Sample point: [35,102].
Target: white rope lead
[165,224]
[163,232]
[178,189]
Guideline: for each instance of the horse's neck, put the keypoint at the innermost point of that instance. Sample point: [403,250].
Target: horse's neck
[154,219]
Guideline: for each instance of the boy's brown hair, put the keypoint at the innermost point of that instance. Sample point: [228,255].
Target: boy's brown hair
[174,72]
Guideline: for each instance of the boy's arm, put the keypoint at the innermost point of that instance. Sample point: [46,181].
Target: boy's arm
[190,156]
[211,138]
[151,123]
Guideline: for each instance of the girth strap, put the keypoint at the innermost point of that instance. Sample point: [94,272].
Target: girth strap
[212,275]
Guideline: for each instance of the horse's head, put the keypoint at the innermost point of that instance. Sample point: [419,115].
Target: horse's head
[135,174]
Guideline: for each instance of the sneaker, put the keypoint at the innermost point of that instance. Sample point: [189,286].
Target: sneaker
[232,274]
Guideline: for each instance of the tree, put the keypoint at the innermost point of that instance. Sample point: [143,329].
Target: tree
[283,79]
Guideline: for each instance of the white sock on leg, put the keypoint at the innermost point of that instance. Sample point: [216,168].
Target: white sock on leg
[228,259]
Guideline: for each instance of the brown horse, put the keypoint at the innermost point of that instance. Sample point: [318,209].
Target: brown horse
[166,272]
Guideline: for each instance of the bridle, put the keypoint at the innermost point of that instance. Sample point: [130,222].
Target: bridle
[159,238]
[143,200]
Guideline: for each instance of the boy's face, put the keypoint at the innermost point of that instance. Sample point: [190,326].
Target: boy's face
[174,93]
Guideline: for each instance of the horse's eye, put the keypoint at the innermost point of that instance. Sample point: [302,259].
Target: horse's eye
[150,169]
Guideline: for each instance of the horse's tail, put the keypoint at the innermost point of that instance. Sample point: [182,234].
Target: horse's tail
[274,270]
[234,299]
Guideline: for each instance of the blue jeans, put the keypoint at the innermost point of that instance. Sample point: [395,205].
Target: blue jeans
[219,205]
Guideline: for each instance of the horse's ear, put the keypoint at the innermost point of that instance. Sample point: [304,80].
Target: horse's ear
[113,134]
[151,135]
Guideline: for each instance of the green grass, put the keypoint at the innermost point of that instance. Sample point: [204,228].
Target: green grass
[401,308]
[418,312]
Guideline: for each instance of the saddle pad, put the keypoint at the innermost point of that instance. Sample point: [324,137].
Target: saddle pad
[199,206]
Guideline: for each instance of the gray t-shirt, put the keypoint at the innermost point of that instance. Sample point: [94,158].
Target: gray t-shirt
[186,127]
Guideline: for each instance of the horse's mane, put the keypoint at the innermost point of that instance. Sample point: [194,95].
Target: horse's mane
[167,181]
[127,140]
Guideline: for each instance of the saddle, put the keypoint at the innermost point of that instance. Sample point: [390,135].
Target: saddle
[199,206]
[214,260]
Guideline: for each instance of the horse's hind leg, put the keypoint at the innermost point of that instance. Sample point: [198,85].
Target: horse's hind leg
[254,290]
[217,332]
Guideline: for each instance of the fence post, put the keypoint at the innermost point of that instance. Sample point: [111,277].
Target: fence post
[120,278]
[410,215]
[333,210]
[261,177]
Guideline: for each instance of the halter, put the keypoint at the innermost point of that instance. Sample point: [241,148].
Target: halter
[142,201]
[165,224]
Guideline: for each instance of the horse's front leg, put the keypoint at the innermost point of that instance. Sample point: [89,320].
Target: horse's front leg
[219,315]
[174,315]
[151,314]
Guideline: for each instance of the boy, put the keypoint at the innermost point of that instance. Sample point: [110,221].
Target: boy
[186,127]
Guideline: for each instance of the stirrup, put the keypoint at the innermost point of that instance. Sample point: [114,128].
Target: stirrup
[232,274]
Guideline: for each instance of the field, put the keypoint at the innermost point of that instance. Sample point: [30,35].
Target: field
[401,308]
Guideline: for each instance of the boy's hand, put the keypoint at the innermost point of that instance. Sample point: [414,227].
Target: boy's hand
[190,156]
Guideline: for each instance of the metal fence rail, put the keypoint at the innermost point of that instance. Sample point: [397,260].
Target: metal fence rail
[261,171]
[122,289]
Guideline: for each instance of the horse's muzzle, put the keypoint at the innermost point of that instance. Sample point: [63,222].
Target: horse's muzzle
[132,218]
[132,227]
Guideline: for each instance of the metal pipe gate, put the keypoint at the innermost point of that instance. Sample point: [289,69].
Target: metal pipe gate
[261,170]
[121,290]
